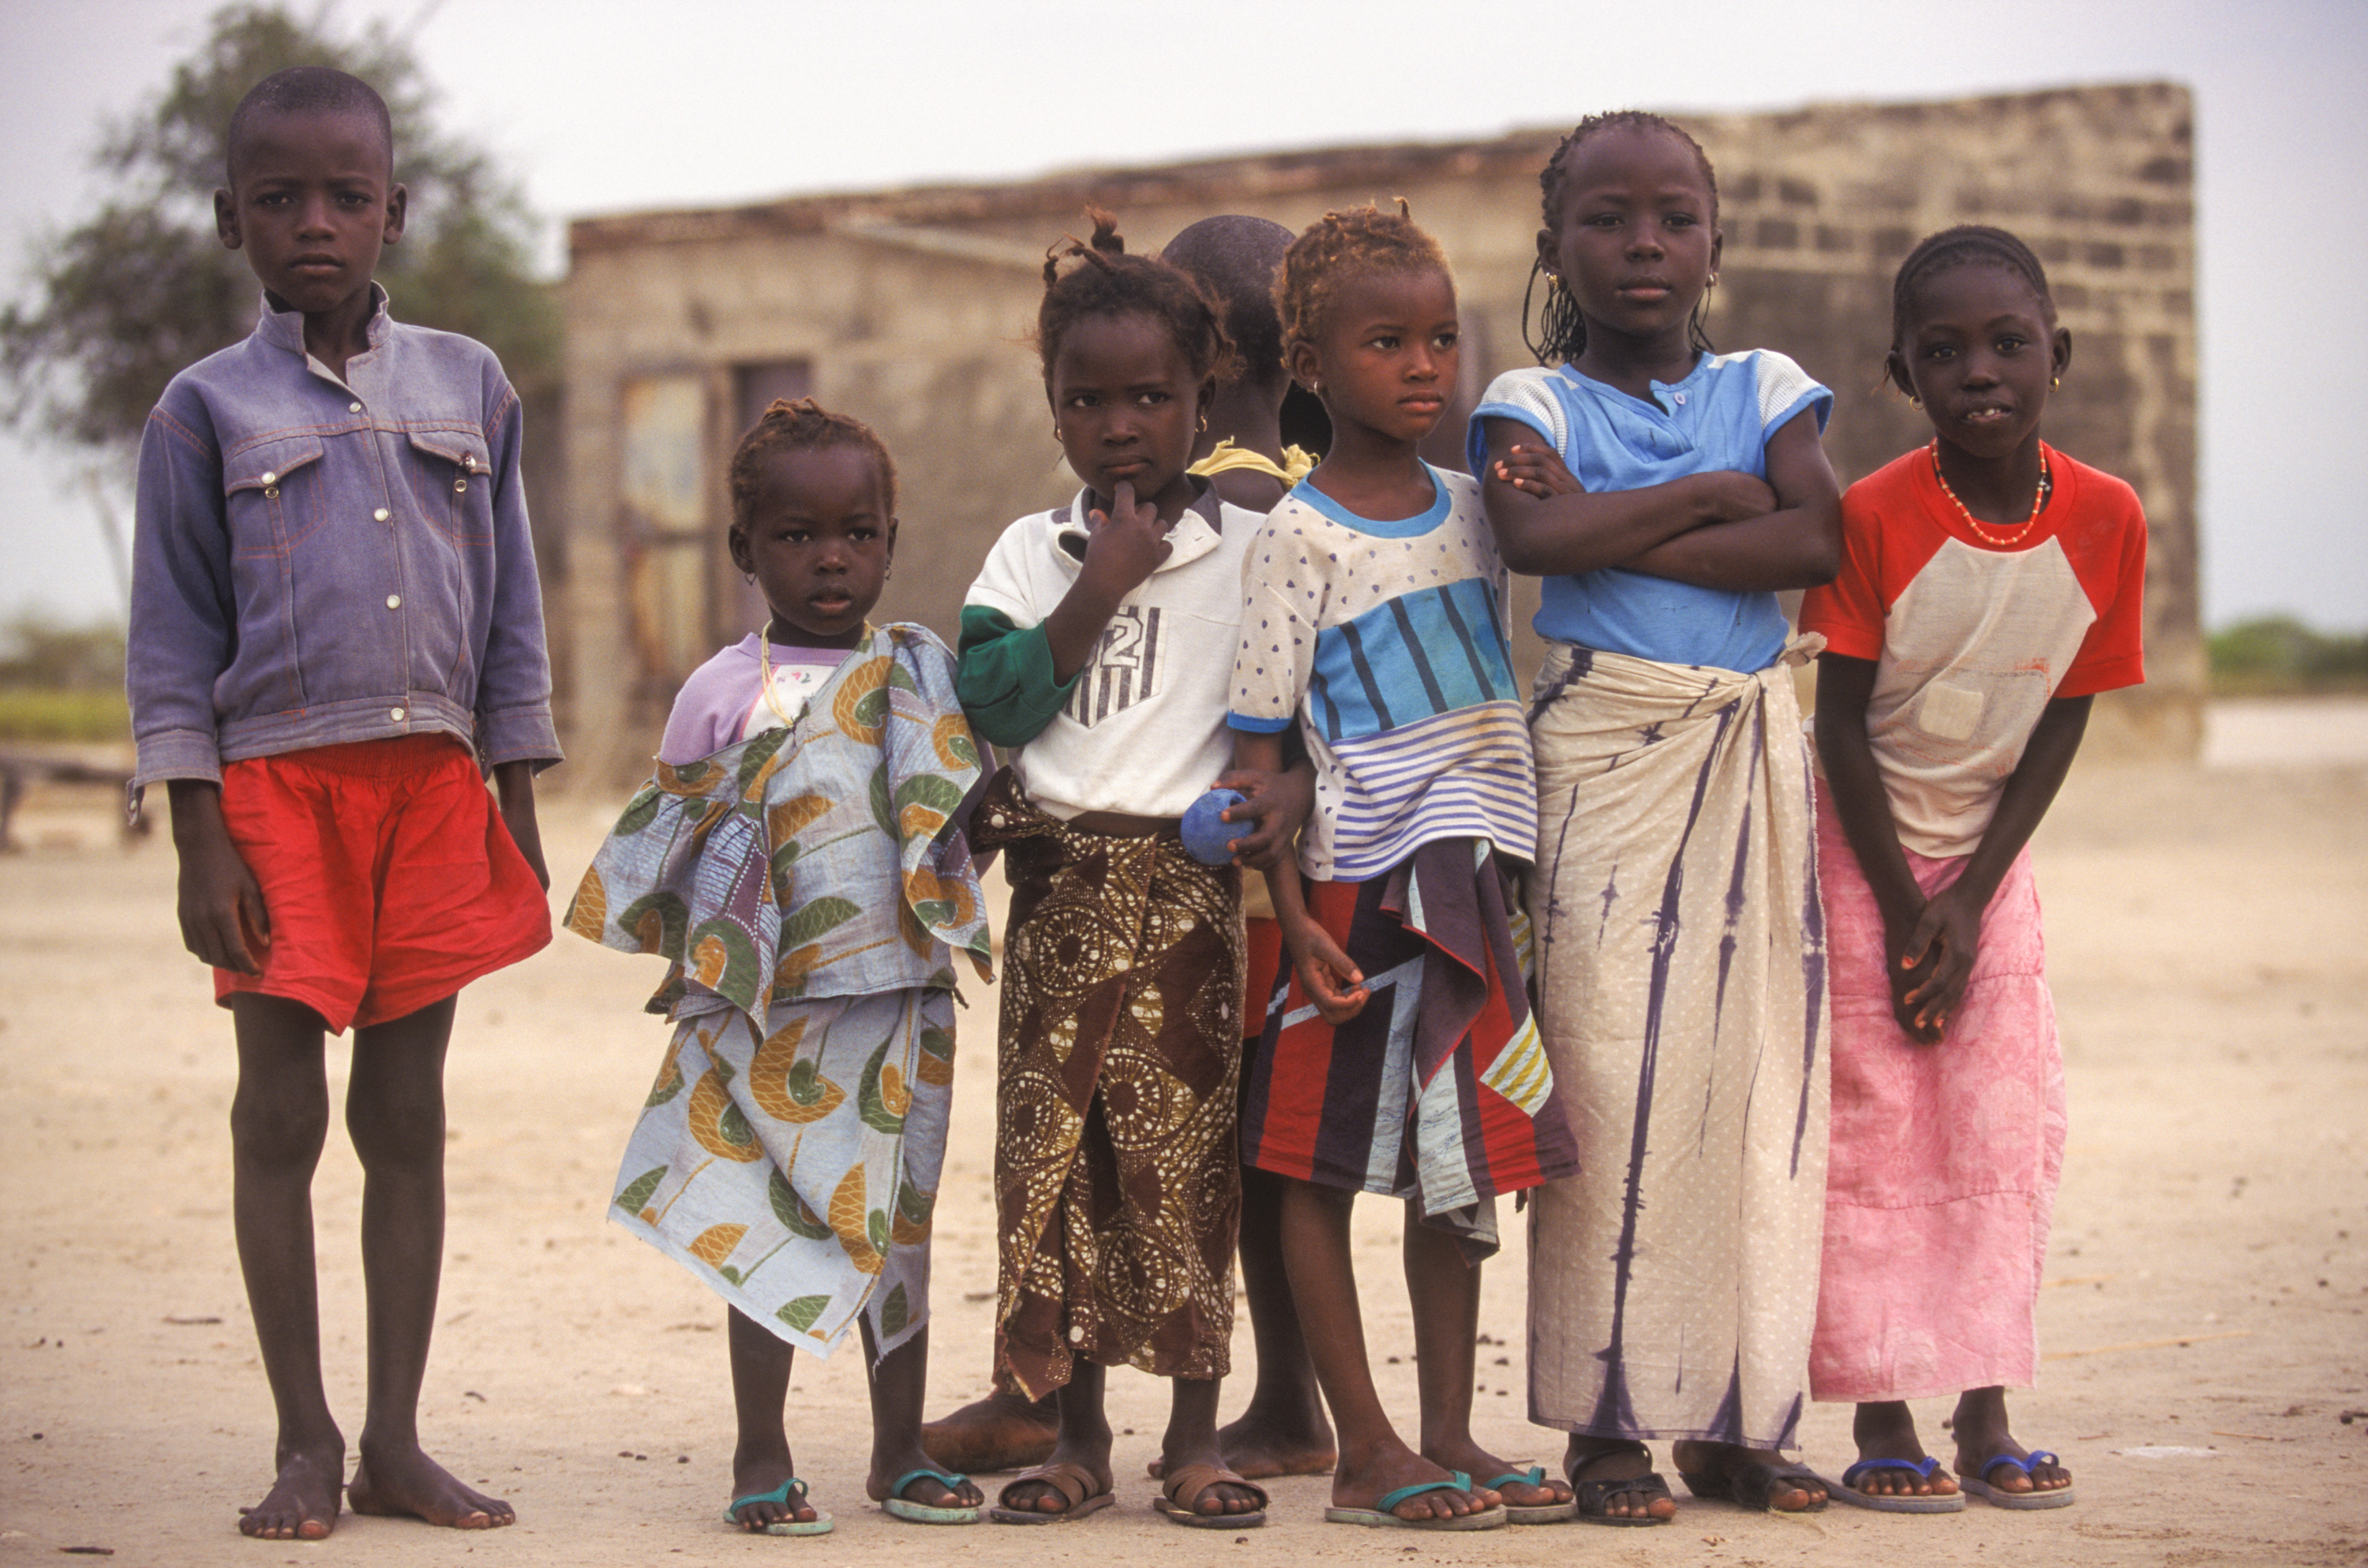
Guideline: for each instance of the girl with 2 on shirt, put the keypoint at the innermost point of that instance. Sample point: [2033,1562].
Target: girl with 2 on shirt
[1401,1057]
[1990,587]
[1084,647]
[796,858]
[1666,493]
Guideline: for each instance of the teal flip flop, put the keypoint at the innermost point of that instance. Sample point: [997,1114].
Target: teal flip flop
[821,1524]
[923,1513]
[1379,1517]
[1532,1513]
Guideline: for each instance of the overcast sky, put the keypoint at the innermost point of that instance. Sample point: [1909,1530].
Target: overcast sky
[603,105]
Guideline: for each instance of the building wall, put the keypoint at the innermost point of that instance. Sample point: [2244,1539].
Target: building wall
[912,309]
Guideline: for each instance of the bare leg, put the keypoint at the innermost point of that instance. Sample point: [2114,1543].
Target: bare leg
[898,1381]
[1373,1459]
[277,1122]
[1983,1435]
[1191,1440]
[761,1387]
[394,1112]
[1283,1431]
[1445,1292]
[1084,1440]
[1887,1431]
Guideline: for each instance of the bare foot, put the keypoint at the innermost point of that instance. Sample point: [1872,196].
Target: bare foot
[1356,1485]
[1002,1431]
[302,1502]
[1614,1458]
[1887,1431]
[923,1489]
[1481,1465]
[406,1482]
[1258,1446]
[757,1471]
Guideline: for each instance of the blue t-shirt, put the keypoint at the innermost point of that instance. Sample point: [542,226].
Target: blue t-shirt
[1719,416]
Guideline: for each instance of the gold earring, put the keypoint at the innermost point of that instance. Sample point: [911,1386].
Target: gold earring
[1315,388]
[1205,422]
[1713,283]
[1915,402]
[1553,282]
[2055,381]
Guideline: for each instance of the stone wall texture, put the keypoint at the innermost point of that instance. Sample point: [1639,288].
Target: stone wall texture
[912,308]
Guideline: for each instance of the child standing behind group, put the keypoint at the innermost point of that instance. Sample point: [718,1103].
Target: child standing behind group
[1990,587]
[796,858]
[335,627]
[1084,645]
[1402,1059]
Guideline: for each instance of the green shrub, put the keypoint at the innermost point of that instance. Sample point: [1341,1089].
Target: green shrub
[2278,653]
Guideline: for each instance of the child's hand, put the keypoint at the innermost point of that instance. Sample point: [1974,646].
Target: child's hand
[1276,806]
[513,787]
[223,921]
[1536,470]
[1331,981]
[1126,546]
[1929,972]
[1734,497]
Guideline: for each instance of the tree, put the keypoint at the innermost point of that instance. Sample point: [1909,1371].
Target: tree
[143,287]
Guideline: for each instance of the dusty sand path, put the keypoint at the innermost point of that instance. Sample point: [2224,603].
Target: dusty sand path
[2206,931]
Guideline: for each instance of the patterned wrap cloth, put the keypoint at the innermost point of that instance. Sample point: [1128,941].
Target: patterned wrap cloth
[1118,1190]
[1439,1091]
[1682,967]
[788,1153]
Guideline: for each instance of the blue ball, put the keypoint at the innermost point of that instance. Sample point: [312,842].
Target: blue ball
[1207,833]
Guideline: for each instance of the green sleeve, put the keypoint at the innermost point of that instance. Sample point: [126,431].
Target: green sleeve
[1004,676]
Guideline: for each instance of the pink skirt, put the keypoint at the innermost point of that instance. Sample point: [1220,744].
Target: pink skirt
[1942,1182]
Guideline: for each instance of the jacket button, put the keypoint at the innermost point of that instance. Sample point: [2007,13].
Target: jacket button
[269,477]
[353,408]
[396,714]
[380,514]
[395,601]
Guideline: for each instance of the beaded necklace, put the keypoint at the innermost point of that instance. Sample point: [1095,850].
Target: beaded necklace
[2038,501]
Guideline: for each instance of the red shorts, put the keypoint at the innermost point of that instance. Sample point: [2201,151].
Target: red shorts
[390,879]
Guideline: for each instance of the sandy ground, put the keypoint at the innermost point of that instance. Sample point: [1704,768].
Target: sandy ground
[2208,1372]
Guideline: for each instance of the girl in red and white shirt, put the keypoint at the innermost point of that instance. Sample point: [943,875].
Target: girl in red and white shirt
[1990,587]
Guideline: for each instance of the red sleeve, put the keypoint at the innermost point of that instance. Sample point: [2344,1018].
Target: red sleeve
[1852,608]
[2109,556]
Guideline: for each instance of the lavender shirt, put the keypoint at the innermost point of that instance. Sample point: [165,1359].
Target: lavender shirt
[722,702]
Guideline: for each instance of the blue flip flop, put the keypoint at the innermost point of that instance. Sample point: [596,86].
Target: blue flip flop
[1979,1485]
[821,1524]
[1886,1503]
[923,1513]
[1380,1518]
[1532,1513]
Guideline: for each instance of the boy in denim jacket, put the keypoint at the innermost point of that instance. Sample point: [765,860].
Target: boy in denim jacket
[335,624]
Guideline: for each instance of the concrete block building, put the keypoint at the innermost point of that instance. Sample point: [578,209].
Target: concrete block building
[911,309]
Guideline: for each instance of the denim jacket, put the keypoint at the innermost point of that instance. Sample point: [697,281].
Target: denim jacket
[317,560]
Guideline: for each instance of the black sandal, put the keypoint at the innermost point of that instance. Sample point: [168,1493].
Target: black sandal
[1595,1496]
[1750,1485]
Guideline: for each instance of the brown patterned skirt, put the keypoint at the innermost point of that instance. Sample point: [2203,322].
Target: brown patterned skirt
[1117,1177]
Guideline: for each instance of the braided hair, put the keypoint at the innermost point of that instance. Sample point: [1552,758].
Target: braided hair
[1968,245]
[1109,282]
[1561,330]
[1338,246]
[803,426]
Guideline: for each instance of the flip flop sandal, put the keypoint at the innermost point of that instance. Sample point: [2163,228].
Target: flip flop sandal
[1751,1485]
[1892,1503]
[1380,1518]
[1530,1513]
[1073,1482]
[924,1513]
[1595,1496]
[821,1524]
[1979,1485]
[1178,1492]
